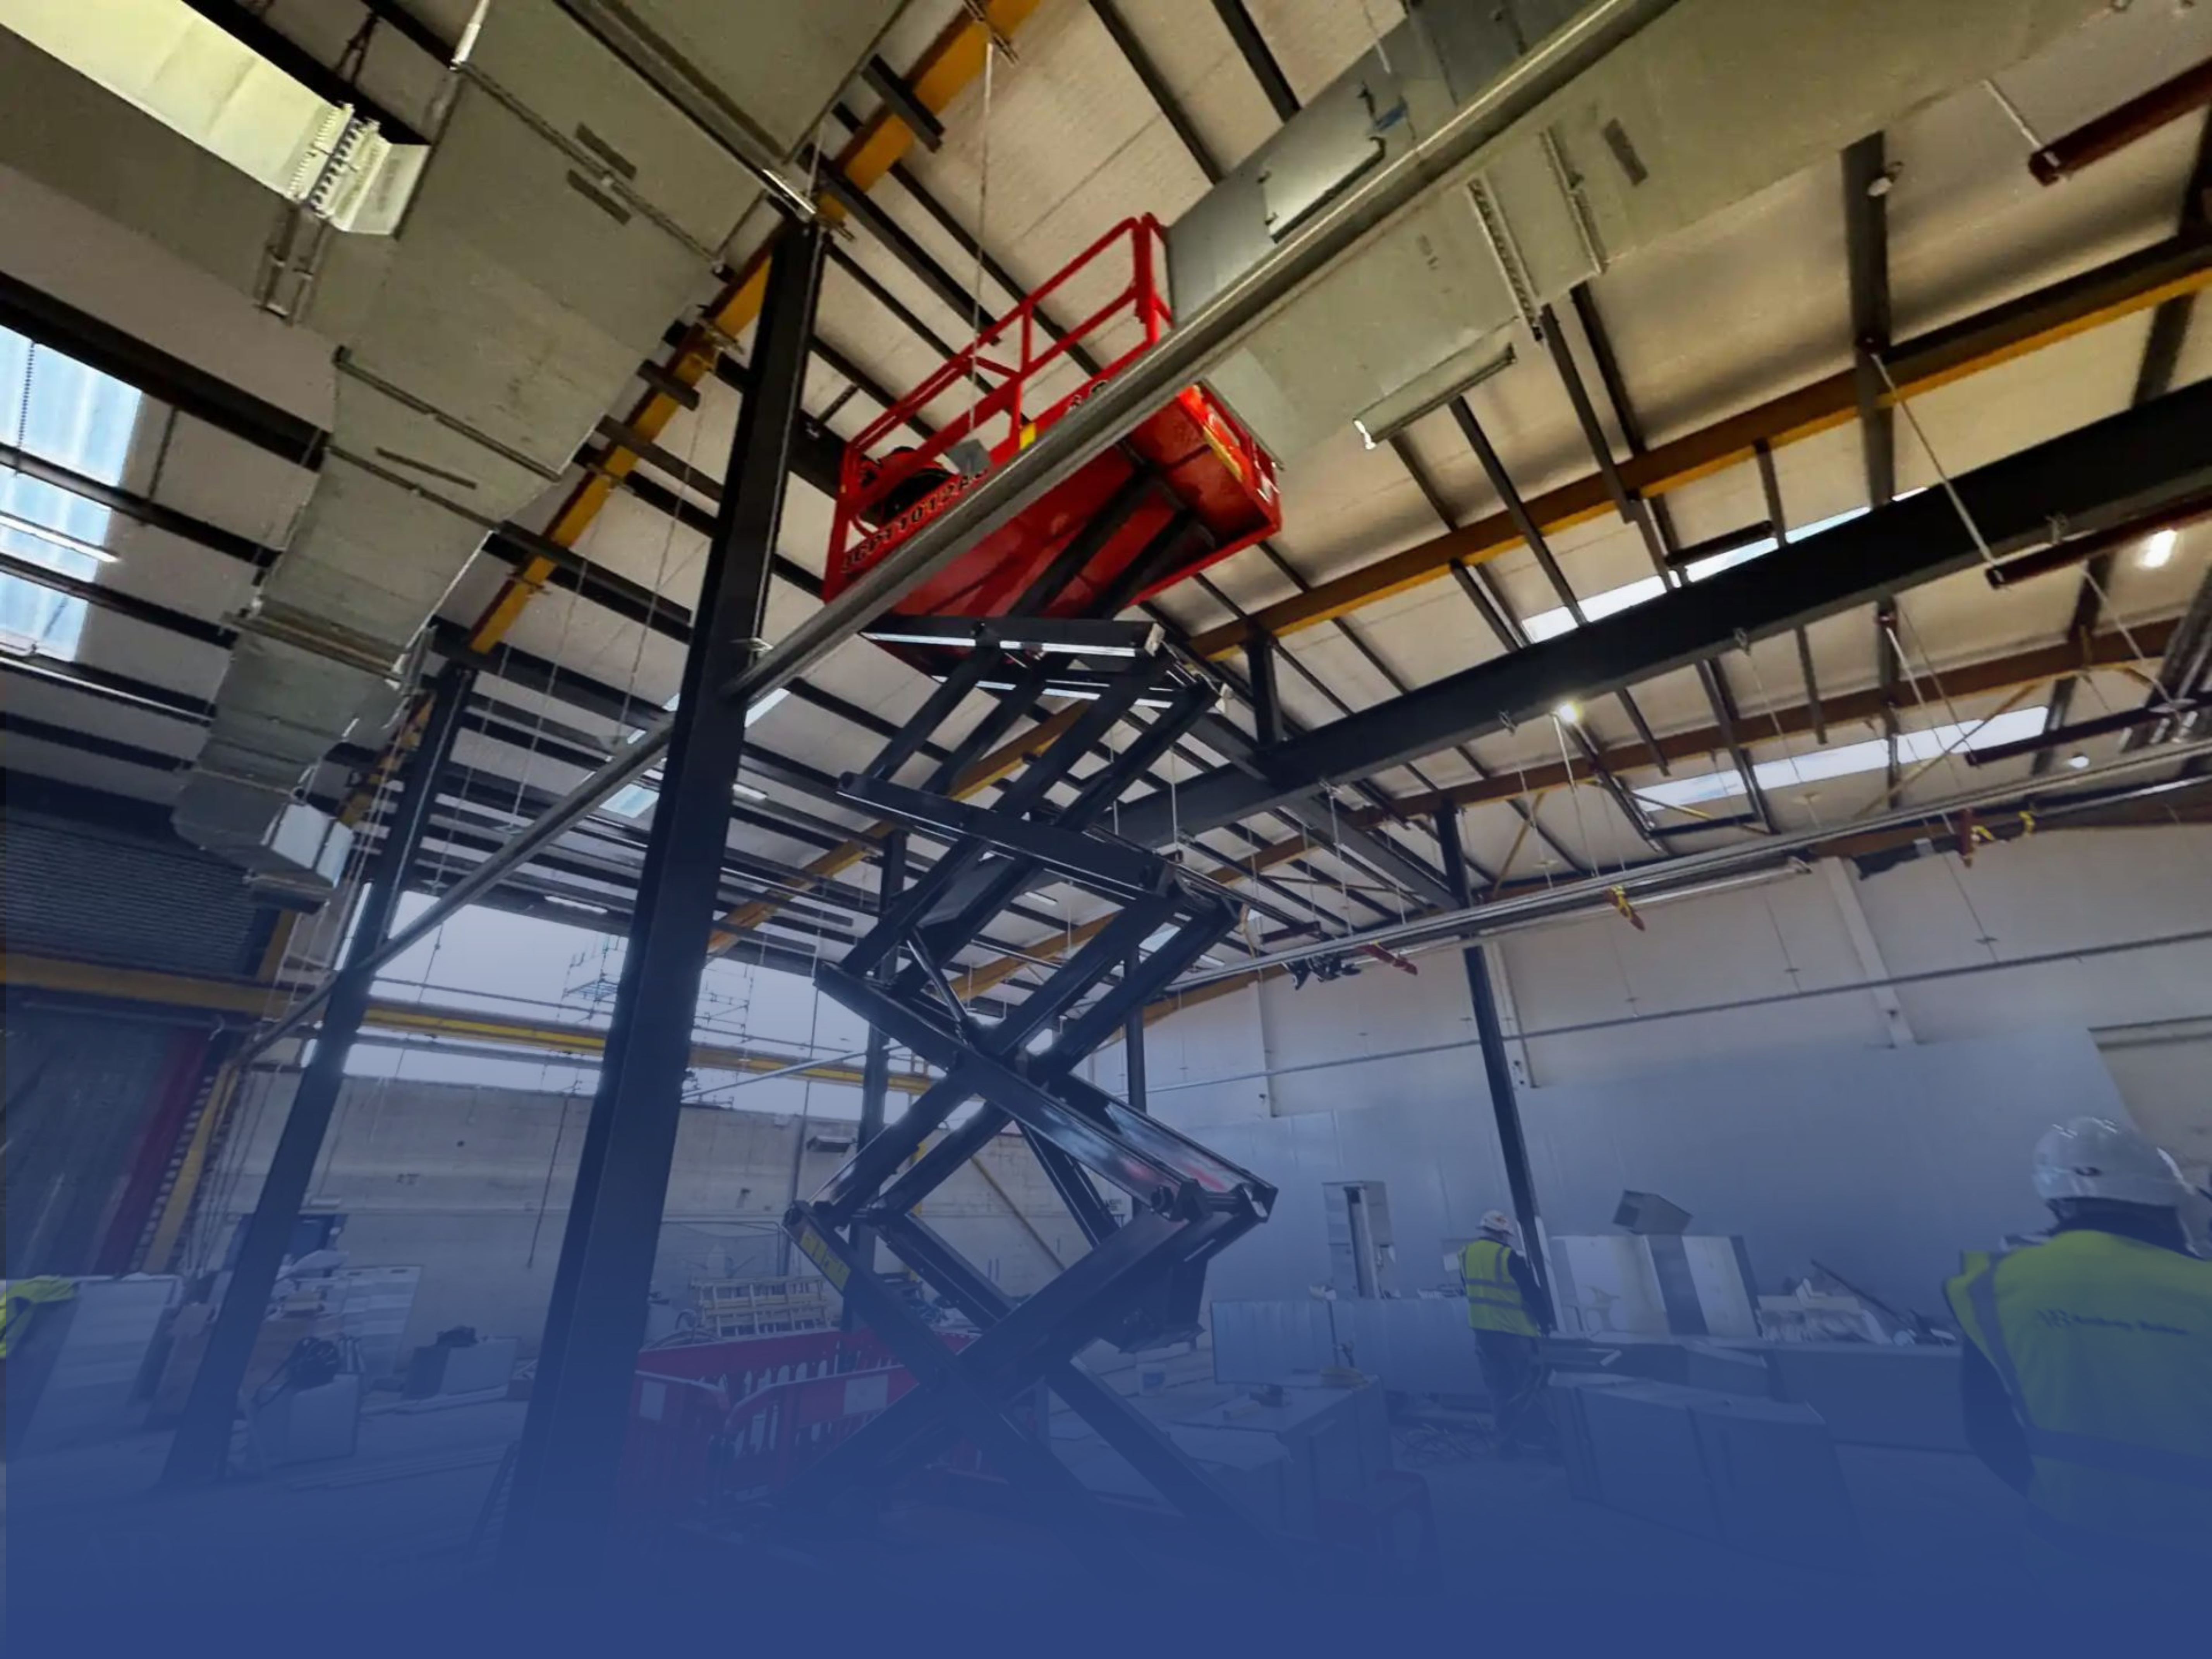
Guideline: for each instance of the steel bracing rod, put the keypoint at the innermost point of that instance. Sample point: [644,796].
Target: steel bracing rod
[566,1470]
[2122,465]
[1654,521]
[1203,336]
[199,1454]
[1770,484]
[1496,916]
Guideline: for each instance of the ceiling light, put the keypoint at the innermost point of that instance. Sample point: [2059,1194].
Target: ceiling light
[2078,763]
[1568,713]
[1429,391]
[77,544]
[1046,898]
[754,711]
[746,792]
[574,904]
[2159,550]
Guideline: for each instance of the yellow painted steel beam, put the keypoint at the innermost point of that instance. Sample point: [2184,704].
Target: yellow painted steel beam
[242,1000]
[177,1208]
[2132,287]
[953,60]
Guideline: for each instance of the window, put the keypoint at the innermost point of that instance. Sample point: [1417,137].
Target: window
[1550,624]
[76,417]
[1846,761]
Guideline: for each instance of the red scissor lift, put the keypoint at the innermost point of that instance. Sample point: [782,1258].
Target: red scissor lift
[1216,487]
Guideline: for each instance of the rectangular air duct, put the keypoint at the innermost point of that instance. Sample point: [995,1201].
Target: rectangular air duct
[1710,103]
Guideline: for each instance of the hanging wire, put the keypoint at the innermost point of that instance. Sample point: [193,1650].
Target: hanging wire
[1774,714]
[1974,529]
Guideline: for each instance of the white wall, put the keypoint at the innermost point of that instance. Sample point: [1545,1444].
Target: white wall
[1875,1161]
[2151,1010]
[1797,1123]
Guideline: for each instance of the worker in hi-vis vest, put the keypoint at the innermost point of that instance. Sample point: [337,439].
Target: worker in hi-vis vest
[1508,1310]
[2088,1362]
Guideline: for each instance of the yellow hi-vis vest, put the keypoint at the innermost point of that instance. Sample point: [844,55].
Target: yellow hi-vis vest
[1493,1300]
[24,1296]
[2105,1343]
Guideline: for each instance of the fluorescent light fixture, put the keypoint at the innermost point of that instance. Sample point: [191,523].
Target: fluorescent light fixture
[73,544]
[756,709]
[1068,647]
[1568,713]
[1046,898]
[632,800]
[1427,392]
[574,904]
[1082,693]
[1069,637]
[746,792]
[2159,550]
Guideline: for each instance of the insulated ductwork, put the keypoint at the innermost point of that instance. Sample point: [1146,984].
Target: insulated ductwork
[1714,102]
[569,209]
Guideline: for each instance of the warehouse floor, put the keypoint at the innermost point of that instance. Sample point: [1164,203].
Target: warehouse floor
[404,1507]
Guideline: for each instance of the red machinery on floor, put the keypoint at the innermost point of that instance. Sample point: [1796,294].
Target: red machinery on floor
[713,1425]
[996,399]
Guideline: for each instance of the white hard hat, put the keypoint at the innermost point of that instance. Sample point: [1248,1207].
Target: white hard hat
[1497,1221]
[2096,1158]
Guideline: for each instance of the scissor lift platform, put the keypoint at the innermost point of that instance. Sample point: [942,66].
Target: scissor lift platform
[1187,487]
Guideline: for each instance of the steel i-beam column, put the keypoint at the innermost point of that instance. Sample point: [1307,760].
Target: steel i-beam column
[876,1065]
[561,1508]
[1132,1045]
[1490,1031]
[200,1452]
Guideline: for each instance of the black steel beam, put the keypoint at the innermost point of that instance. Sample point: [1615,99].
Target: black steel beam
[139,508]
[151,612]
[1252,47]
[1778,516]
[200,1453]
[1147,72]
[564,1498]
[186,388]
[1496,1060]
[1866,242]
[126,690]
[888,84]
[2118,465]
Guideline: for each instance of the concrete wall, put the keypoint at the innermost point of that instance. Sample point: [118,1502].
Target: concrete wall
[472,1186]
